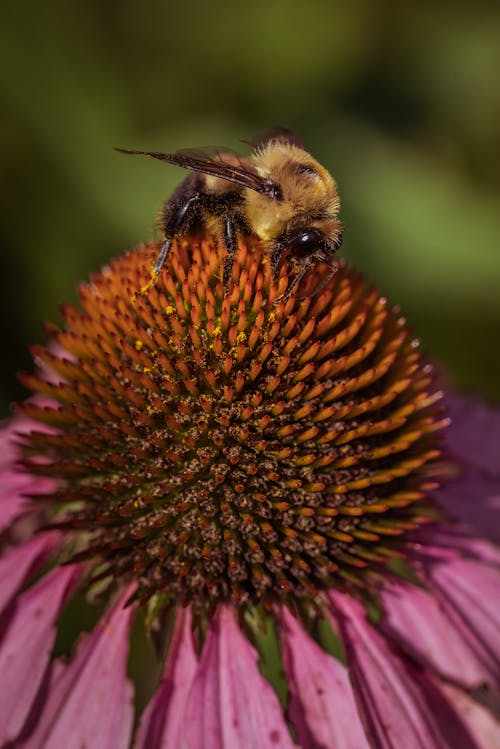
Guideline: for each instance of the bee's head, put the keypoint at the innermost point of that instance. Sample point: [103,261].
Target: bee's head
[322,238]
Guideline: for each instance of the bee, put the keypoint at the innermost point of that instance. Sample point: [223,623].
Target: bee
[279,193]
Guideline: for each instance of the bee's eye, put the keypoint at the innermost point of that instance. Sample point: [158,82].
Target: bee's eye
[303,244]
[273,190]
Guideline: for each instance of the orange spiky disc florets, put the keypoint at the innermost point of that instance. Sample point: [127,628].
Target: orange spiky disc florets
[225,447]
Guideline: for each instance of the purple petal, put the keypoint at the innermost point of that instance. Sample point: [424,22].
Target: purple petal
[417,622]
[90,701]
[475,500]
[322,706]
[474,436]
[468,591]
[19,562]
[26,646]
[474,441]
[231,706]
[399,704]
[163,724]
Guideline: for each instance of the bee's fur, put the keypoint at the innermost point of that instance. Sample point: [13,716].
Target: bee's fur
[279,192]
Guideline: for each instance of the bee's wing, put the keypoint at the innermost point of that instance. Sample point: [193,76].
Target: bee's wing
[217,162]
[274,133]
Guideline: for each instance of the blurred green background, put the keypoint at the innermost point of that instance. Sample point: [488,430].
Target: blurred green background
[401,101]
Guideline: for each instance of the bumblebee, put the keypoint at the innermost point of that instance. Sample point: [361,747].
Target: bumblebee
[279,193]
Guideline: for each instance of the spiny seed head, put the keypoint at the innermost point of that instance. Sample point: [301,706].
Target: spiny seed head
[221,446]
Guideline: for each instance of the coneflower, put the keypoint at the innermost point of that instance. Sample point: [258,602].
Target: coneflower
[235,464]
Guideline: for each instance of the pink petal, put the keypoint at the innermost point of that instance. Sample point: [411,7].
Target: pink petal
[14,486]
[163,722]
[231,706]
[26,646]
[400,706]
[21,561]
[481,724]
[450,540]
[90,701]
[15,483]
[416,621]
[8,449]
[10,430]
[468,590]
[322,706]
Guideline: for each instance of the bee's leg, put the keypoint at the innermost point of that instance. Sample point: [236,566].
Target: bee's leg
[300,275]
[231,242]
[276,258]
[334,266]
[298,278]
[161,257]
[184,212]
[158,265]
